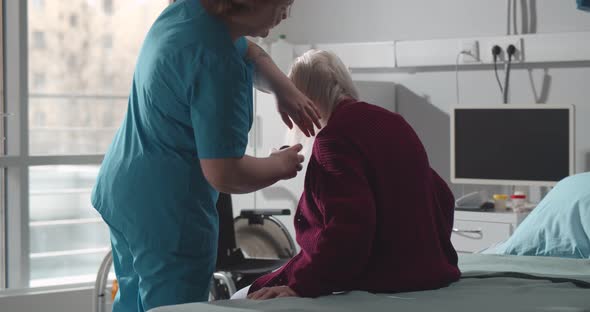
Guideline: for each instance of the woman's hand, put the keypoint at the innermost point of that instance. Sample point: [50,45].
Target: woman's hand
[272,292]
[294,106]
[289,160]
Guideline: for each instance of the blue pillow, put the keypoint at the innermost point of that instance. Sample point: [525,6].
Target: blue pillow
[559,226]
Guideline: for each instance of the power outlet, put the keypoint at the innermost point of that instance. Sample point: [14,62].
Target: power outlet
[504,43]
[472,48]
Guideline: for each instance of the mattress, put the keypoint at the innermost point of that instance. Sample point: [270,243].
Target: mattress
[488,283]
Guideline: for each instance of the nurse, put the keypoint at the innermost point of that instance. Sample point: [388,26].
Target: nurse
[183,141]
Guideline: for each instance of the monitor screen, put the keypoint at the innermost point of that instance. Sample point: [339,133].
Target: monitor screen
[515,145]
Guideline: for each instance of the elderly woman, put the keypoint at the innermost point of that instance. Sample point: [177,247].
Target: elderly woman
[374,215]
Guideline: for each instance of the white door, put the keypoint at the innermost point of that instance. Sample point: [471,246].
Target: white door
[272,133]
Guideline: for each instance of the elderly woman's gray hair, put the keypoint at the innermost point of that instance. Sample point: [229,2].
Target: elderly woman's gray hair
[324,79]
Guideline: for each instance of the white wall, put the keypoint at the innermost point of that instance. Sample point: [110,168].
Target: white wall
[383,20]
[424,97]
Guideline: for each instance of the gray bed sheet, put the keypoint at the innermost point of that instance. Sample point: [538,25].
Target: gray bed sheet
[488,283]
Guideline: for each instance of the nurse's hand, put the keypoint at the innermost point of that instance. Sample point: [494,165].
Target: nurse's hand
[289,161]
[272,292]
[294,106]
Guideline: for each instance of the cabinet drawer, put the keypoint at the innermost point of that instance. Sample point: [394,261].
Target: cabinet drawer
[472,236]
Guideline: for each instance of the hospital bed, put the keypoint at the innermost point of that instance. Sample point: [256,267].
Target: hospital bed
[488,283]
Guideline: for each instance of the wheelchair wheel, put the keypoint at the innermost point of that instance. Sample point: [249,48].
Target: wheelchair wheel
[269,240]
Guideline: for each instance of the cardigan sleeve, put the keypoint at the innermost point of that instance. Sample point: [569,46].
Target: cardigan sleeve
[345,201]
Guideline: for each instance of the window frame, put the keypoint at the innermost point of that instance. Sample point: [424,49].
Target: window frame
[2,185]
[14,273]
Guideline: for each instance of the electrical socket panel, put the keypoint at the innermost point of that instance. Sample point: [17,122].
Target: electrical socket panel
[471,46]
[504,42]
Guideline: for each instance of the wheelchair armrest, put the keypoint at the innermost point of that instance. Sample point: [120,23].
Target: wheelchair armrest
[257,216]
[246,213]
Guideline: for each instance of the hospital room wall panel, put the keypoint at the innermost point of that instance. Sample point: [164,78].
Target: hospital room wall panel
[338,21]
[425,95]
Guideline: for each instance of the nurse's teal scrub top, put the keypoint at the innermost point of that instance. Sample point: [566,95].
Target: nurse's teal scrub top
[191,99]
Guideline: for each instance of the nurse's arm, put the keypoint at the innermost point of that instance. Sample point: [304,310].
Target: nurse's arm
[249,174]
[293,105]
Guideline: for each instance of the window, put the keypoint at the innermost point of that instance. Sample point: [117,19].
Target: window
[40,118]
[108,82]
[72,61]
[38,3]
[107,41]
[39,40]
[38,81]
[107,119]
[67,237]
[56,136]
[74,20]
[108,6]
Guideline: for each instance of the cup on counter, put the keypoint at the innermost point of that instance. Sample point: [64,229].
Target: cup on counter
[500,202]
[518,200]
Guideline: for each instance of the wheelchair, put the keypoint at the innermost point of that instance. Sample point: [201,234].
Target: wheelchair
[250,245]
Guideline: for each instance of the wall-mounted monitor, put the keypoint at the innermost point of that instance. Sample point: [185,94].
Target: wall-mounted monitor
[512,144]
